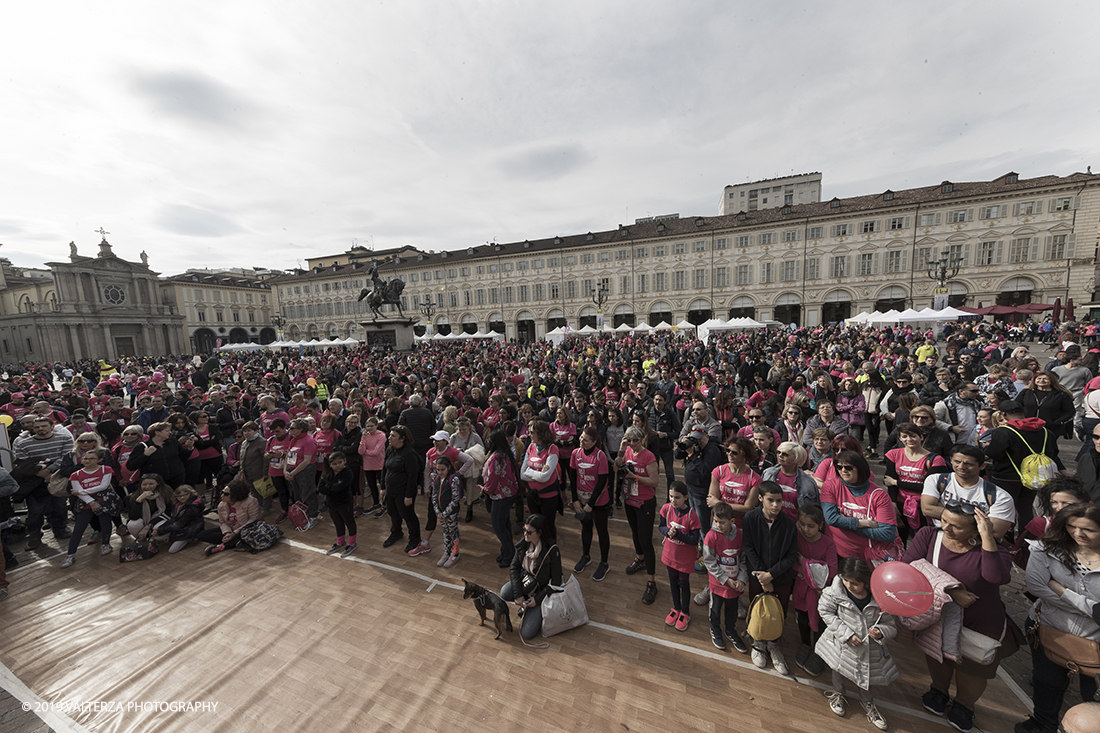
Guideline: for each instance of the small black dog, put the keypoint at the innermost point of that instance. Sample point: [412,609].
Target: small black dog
[486,599]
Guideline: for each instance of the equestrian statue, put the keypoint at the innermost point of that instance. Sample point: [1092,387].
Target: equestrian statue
[383,292]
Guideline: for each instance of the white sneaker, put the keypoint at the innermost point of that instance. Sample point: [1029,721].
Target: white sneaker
[874,717]
[702,598]
[778,660]
[836,702]
[759,657]
[68,561]
[313,521]
[105,549]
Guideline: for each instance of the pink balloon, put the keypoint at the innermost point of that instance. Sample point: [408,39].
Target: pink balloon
[901,589]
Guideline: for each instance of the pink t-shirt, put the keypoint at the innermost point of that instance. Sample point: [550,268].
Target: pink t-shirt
[676,553]
[588,470]
[914,472]
[87,484]
[790,494]
[564,434]
[874,504]
[537,461]
[373,449]
[277,445]
[325,441]
[735,488]
[637,493]
[297,449]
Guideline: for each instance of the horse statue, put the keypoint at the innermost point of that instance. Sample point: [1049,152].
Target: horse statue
[383,292]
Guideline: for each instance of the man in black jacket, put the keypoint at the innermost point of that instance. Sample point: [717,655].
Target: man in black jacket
[420,422]
[664,422]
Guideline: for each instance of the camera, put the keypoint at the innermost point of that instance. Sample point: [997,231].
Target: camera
[689,443]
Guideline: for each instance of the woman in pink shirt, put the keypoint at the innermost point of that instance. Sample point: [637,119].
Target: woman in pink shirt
[373,449]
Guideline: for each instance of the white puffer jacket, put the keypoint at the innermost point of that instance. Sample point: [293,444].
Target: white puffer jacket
[869,663]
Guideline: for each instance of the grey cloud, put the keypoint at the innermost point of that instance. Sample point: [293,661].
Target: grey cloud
[194,97]
[193,221]
[546,163]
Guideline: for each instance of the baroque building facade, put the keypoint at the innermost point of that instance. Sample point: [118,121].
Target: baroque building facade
[88,308]
[223,306]
[1016,240]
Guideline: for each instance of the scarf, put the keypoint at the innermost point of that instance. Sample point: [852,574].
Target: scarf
[1027,423]
[794,432]
[857,489]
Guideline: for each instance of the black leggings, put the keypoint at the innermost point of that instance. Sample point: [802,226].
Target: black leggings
[640,519]
[343,515]
[547,506]
[809,636]
[283,489]
[872,423]
[372,482]
[598,517]
[680,583]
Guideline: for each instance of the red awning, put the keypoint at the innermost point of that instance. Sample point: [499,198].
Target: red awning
[1025,309]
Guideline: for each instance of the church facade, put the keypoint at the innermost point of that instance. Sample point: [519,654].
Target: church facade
[87,308]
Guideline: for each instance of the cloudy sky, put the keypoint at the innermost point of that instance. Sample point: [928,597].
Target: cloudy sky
[239,134]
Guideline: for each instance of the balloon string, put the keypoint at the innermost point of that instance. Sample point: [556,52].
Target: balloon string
[872,626]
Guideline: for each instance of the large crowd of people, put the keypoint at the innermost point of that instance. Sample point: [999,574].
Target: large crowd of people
[755,455]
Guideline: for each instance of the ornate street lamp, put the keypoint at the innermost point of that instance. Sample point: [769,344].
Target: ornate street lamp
[941,270]
[599,298]
[428,309]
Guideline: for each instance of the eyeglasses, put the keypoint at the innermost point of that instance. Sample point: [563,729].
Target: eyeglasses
[845,468]
[528,532]
[1096,437]
[733,453]
[960,507]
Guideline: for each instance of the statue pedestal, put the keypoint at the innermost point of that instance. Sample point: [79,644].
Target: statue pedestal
[395,333]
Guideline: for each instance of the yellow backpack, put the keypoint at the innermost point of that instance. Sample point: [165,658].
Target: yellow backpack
[765,617]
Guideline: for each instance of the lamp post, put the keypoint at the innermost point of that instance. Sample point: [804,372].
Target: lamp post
[941,270]
[599,298]
[279,322]
[428,309]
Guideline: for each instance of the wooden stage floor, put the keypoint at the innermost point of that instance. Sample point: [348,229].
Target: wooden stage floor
[294,640]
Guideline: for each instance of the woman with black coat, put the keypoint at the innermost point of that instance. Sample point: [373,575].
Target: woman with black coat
[1047,399]
[400,482]
[161,454]
[535,567]
[348,444]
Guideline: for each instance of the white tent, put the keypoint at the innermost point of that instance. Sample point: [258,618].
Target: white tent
[643,327]
[685,326]
[663,326]
[496,336]
[951,314]
[890,316]
[909,315]
[863,317]
[586,331]
[556,336]
[623,328]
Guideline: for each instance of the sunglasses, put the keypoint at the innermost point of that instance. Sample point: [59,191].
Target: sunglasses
[756,417]
[960,507]
[1096,437]
[845,468]
[225,493]
[732,453]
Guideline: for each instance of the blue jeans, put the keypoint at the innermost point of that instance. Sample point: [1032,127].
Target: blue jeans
[532,617]
[500,516]
[699,504]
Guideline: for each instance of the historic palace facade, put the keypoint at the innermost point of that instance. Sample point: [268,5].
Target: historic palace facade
[1014,240]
